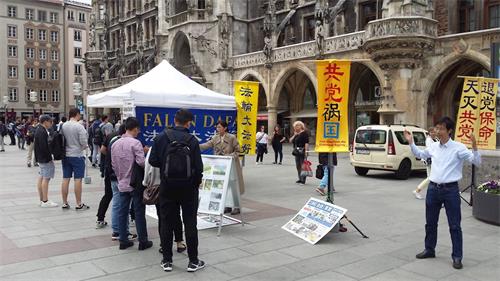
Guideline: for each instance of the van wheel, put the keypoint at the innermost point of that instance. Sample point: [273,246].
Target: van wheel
[404,170]
[361,171]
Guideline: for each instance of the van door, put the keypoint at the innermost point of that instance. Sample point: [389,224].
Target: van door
[378,147]
[361,151]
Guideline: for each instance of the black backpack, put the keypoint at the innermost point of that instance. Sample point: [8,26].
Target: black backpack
[178,164]
[98,135]
[57,144]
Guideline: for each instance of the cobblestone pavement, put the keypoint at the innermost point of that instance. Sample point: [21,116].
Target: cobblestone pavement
[52,244]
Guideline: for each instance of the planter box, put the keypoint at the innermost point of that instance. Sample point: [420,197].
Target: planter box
[486,207]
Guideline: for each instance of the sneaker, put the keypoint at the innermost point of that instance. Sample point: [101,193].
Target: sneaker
[417,195]
[192,267]
[66,206]
[29,165]
[82,207]
[48,204]
[36,165]
[166,265]
[321,191]
[132,223]
[115,236]
[145,245]
[298,182]
[100,224]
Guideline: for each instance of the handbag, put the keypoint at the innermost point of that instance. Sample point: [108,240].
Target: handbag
[320,172]
[298,151]
[150,195]
[306,170]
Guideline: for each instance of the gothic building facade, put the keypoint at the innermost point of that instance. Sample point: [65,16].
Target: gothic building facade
[406,54]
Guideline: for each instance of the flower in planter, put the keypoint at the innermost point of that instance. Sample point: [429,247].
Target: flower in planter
[491,187]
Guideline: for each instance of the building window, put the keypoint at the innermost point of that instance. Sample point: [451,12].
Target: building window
[30,14]
[42,54]
[54,36]
[78,35]
[12,11]
[71,16]
[12,94]
[467,21]
[12,51]
[30,73]
[28,91]
[54,74]
[494,16]
[42,16]
[42,73]
[12,31]
[30,53]
[56,97]
[53,17]
[78,52]
[369,11]
[54,55]
[78,69]
[81,17]
[42,35]
[30,33]
[12,70]
[43,96]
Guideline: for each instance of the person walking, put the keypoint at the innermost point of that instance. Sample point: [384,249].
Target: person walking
[12,132]
[124,153]
[447,157]
[21,134]
[30,139]
[45,160]
[277,143]
[73,164]
[224,143]
[429,140]
[3,133]
[179,186]
[323,160]
[262,141]
[300,140]
[97,140]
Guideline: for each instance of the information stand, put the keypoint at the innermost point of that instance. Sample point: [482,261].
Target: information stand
[219,189]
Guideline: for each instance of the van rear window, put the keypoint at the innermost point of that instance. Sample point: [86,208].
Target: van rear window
[418,138]
[371,136]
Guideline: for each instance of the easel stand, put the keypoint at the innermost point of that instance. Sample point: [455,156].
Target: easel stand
[472,187]
[329,197]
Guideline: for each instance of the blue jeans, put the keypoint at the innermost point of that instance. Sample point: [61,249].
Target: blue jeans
[324,181]
[450,197]
[115,207]
[140,215]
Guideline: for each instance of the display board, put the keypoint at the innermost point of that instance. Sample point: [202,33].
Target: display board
[214,185]
[315,220]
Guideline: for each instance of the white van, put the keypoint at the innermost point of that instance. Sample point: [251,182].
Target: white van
[384,147]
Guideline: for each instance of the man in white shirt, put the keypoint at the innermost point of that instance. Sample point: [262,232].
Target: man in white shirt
[448,158]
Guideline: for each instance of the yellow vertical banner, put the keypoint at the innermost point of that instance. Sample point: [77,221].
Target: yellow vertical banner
[246,94]
[332,130]
[486,136]
[468,111]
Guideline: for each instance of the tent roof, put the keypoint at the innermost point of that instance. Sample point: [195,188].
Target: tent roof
[163,86]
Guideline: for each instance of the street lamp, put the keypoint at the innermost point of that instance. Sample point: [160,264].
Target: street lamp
[33,99]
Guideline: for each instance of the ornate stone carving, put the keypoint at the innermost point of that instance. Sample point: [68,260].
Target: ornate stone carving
[224,31]
[319,31]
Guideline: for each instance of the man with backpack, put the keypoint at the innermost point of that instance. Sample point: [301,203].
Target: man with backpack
[73,162]
[177,154]
[126,152]
[96,141]
[44,157]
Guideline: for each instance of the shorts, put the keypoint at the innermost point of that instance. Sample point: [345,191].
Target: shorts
[47,170]
[73,167]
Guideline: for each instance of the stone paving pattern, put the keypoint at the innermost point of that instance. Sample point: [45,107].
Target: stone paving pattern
[52,244]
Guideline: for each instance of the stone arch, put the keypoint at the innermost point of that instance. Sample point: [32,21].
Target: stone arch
[181,50]
[284,74]
[259,78]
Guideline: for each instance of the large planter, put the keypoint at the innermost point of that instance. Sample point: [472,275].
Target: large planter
[486,207]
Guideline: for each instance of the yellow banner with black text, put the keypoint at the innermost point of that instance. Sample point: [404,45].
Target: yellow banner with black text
[246,94]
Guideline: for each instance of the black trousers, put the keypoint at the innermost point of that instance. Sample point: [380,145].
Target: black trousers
[299,160]
[105,200]
[169,214]
[278,150]
[261,149]
[12,138]
[177,227]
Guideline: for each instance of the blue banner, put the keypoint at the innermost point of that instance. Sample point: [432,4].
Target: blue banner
[154,120]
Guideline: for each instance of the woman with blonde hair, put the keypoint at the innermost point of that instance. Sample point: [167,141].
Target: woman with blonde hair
[300,140]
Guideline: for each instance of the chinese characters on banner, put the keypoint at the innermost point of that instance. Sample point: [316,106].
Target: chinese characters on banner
[332,133]
[246,94]
[477,112]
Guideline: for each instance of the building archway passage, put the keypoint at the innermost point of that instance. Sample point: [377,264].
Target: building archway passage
[444,96]
[182,52]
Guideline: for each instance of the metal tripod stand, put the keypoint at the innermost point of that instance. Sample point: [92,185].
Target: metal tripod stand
[472,187]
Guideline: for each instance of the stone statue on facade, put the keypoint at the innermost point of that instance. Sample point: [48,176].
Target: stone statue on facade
[140,33]
[224,39]
[92,32]
[139,59]
[319,37]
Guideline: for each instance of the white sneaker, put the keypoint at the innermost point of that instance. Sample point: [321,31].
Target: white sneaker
[417,195]
[48,204]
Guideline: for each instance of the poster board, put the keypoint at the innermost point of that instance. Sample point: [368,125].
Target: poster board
[128,109]
[315,220]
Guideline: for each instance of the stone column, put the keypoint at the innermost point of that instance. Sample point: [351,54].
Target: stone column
[272,118]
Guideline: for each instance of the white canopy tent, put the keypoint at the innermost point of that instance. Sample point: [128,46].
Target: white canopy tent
[163,86]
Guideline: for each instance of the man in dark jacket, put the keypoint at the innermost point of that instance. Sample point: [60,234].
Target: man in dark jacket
[178,193]
[44,159]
